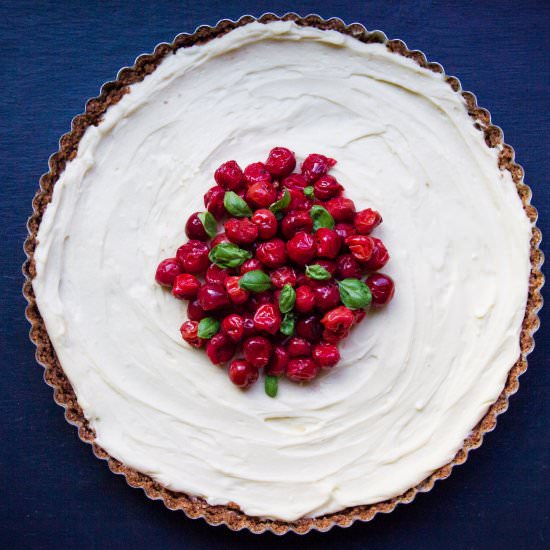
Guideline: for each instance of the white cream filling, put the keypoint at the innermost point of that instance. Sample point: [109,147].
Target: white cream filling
[415,377]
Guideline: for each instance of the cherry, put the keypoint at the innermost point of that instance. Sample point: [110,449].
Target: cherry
[279,361]
[298,347]
[189,332]
[213,201]
[327,296]
[241,231]
[366,220]
[295,221]
[193,256]
[267,318]
[301,248]
[347,267]
[220,348]
[213,296]
[382,289]
[257,351]
[266,222]
[341,209]
[326,355]
[302,369]
[283,276]
[261,194]
[185,286]
[337,319]
[298,201]
[335,336]
[315,166]
[329,265]
[327,243]
[344,230]
[252,264]
[219,238]
[194,228]
[256,172]
[294,181]
[233,326]
[229,175]
[359,315]
[361,247]
[379,257]
[248,325]
[195,311]
[310,328]
[327,187]
[305,299]
[167,271]
[236,294]
[242,373]
[216,274]
[272,253]
[280,162]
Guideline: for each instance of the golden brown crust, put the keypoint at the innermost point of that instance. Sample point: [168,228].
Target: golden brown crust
[64,395]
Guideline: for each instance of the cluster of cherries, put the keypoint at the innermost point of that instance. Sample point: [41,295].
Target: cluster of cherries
[284,282]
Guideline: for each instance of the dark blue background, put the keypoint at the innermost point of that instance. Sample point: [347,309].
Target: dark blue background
[55,55]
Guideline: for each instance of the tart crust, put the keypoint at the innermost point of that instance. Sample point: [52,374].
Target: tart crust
[64,395]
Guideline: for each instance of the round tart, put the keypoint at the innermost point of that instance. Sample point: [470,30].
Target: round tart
[419,382]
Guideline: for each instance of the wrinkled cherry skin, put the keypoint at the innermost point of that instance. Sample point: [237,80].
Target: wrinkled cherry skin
[261,194]
[272,253]
[193,256]
[335,336]
[326,355]
[327,243]
[252,264]
[344,230]
[281,161]
[216,274]
[361,247]
[267,318]
[310,328]
[236,294]
[241,231]
[327,296]
[315,166]
[243,374]
[347,267]
[341,209]
[301,248]
[302,369]
[382,289]
[229,175]
[305,299]
[233,326]
[189,332]
[185,286]
[257,351]
[195,311]
[283,276]
[194,228]
[167,271]
[256,172]
[220,348]
[366,220]
[298,201]
[213,201]
[279,361]
[248,325]
[266,222]
[295,221]
[298,347]
[295,181]
[339,318]
[212,296]
[327,187]
[379,257]
[329,265]
[219,238]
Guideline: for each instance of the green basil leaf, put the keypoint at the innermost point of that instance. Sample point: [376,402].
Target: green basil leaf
[282,203]
[287,298]
[209,223]
[287,326]
[321,217]
[255,281]
[235,205]
[308,192]
[271,385]
[208,327]
[317,272]
[355,294]
[228,255]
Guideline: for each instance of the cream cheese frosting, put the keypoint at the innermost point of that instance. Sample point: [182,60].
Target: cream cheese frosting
[415,377]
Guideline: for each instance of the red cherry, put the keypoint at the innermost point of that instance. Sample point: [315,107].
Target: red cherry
[283,276]
[327,187]
[359,315]
[257,351]
[233,326]
[220,348]
[261,194]
[326,355]
[366,220]
[298,201]
[216,274]
[327,243]
[305,299]
[256,172]
[193,256]
[347,267]
[302,369]
[212,296]
[195,311]
[279,361]
[339,318]
[327,296]
[167,271]
[272,253]
[267,318]
[185,286]
[329,265]
[266,222]
[315,166]
[294,181]
[213,201]
[341,209]
[241,231]
[229,175]
[361,247]
[379,257]
[382,289]
[298,347]
[242,373]
[295,221]
[189,332]
[335,336]
[194,228]
[252,264]
[248,325]
[280,162]
[236,294]
[219,238]
[344,230]
[301,248]
[310,328]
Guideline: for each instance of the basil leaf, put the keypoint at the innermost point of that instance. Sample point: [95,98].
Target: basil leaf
[209,223]
[255,281]
[235,205]
[228,255]
[271,385]
[321,217]
[355,294]
[282,203]
[208,327]
[287,298]
[317,272]
[308,192]
[287,326]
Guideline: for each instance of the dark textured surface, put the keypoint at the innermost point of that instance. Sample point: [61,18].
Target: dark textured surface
[54,56]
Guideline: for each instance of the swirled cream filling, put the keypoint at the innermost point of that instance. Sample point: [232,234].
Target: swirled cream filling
[415,377]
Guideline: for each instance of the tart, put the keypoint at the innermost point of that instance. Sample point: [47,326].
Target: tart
[419,382]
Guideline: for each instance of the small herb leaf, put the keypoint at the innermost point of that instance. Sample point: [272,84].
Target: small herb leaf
[308,192]
[271,385]
[209,223]
[282,203]
[208,327]
[287,298]
[255,281]
[355,294]
[235,205]
[287,326]
[317,272]
[228,255]
[321,217]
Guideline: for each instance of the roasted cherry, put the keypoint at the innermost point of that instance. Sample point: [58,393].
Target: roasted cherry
[302,369]
[315,166]
[326,355]
[272,253]
[229,175]
[242,373]
[189,332]
[295,221]
[241,231]
[257,351]
[193,256]
[301,248]
[382,289]
[327,243]
[213,296]
[341,209]
[266,222]
[167,271]
[281,161]
[220,348]
[185,286]
[366,220]
[379,257]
